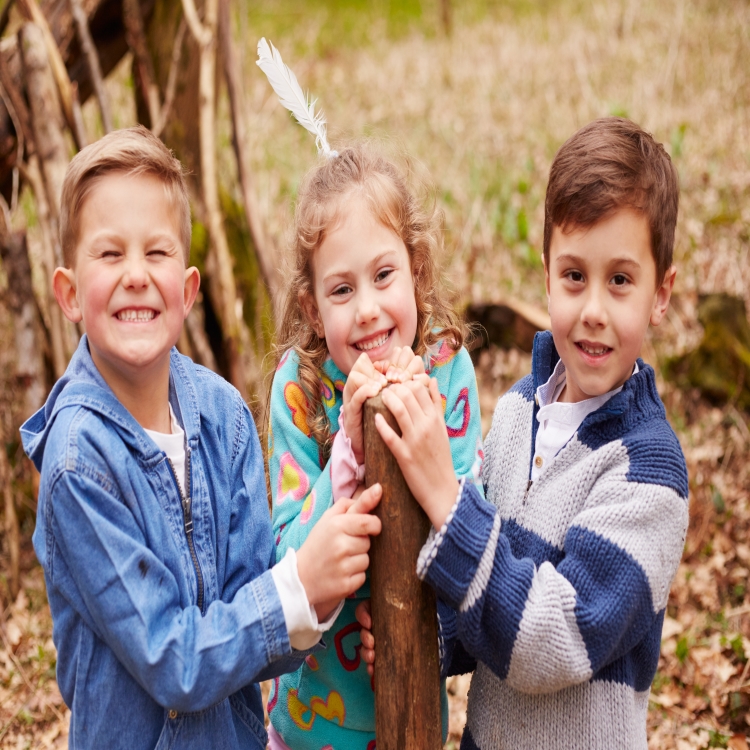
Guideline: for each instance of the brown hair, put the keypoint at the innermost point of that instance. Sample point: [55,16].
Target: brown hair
[609,164]
[132,151]
[363,170]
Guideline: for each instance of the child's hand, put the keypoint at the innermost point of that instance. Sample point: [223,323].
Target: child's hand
[364,382]
[423,451]
[405,365]
[364,618]
[333,559]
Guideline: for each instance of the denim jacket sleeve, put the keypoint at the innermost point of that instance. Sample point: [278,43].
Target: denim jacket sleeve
[131,599]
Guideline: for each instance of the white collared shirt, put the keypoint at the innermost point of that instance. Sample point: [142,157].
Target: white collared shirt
[559,421]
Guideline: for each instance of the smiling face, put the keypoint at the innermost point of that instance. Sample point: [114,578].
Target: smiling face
[129,285]
[363,289]
[603,293]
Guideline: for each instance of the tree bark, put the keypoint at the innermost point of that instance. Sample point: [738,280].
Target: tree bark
[404,609]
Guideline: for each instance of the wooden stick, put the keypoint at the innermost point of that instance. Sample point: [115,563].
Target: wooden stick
[404,610]
[171,89]
[265,252]
[92,59]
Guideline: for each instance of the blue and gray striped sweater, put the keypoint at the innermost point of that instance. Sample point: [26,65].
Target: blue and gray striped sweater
[561,585]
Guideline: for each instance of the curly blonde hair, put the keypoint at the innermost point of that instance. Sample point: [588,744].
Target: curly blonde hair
[361,170]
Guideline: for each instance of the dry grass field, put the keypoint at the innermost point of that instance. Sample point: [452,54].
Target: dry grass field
[482,111]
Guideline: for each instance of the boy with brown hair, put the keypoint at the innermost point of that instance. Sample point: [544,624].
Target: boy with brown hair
[561,577]
[153,527]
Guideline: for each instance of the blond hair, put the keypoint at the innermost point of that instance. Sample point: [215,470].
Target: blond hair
[132,151]
[363,171]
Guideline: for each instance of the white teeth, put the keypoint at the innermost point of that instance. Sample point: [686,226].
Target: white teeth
[379,341]
[140,316]
[594,352]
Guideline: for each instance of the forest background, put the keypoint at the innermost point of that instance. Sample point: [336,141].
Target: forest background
[481,95]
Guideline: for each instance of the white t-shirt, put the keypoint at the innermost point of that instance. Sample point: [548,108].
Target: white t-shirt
[300,618]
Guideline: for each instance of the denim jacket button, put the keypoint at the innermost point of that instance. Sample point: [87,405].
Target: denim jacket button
[172,714]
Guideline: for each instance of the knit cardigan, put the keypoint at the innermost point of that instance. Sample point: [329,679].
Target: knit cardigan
[561,584]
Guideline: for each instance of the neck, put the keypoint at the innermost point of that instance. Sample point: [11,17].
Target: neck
[144,393]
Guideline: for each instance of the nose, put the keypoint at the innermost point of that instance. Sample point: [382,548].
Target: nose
[136,273]
[367,308]
[594,310]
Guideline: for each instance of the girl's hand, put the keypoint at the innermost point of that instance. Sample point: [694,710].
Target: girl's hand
[334,557]
[364,618]
[423,451]
[364,382]
[405,365]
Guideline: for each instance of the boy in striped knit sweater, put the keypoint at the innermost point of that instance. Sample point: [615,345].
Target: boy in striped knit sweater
[561,577]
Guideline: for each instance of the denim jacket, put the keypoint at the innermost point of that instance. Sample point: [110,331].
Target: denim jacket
[164,609]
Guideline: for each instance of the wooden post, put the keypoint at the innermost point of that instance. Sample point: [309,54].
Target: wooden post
[404,611]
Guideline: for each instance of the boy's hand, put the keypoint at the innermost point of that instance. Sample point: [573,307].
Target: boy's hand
[333,559]
[364,382]
[423,451]
[364,618]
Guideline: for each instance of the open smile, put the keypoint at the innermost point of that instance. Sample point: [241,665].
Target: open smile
[136,315]
[593,353]
[373,342]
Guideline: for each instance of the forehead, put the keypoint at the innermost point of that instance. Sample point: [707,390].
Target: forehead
[625,233]
[355,239]
[129,206]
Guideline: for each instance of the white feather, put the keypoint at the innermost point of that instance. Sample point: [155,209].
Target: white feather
[290,94]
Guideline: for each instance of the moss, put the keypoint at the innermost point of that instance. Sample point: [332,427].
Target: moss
[720,366]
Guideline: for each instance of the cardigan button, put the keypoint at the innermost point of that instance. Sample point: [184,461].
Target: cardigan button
[538,461]
[172,714]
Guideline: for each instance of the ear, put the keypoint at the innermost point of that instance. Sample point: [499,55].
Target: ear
[307,303]
[66,294]
[662,296]
[192,285]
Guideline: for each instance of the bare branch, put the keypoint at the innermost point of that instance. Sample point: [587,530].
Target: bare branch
[203,35]
[19,149]
[92,58]
[32,12]
[171,89]
[136,37]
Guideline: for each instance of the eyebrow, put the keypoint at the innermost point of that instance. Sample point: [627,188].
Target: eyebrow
[576,260]
[374,263]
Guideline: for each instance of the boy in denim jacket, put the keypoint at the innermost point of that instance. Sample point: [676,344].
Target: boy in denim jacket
[153,527]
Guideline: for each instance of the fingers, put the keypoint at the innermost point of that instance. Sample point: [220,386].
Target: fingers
[367,500]
[363,615]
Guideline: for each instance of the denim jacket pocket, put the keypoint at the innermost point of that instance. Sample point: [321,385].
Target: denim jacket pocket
[243,713]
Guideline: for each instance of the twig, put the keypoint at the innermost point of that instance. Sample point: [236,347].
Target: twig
[31,11]
[92,59]
[171,89]
[202,34]
[264,249]
[136,38]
